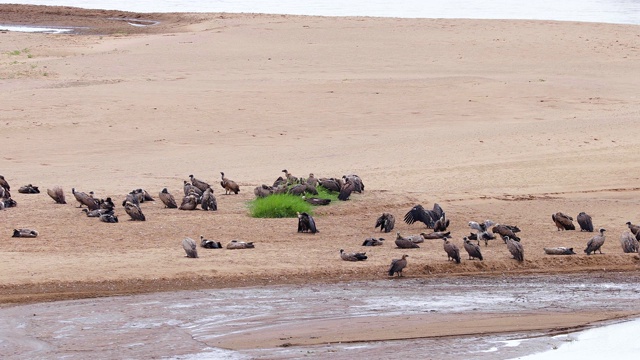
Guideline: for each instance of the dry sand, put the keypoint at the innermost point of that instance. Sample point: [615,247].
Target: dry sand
[504,120]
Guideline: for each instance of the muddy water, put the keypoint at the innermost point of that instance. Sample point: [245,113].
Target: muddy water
[185,325]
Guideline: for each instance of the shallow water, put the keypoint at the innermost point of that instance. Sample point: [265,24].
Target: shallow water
[610,11]
[183,325]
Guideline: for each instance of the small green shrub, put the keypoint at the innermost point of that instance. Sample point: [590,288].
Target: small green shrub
[278,206]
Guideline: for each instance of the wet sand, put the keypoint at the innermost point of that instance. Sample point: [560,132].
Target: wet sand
[504,120]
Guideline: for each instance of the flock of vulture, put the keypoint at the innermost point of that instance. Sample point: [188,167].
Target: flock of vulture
[199,193]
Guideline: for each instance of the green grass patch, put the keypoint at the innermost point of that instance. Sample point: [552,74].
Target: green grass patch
[279,206]
[325,194]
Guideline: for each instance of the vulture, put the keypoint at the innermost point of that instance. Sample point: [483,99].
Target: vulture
[7,203]
[353,256]
[3,193]
[190,247]
[167,199]
[515,248]
[317,201]
[25,233]
[428,217]
[57,194]
[306,223]
[386,222]
[29,189]
[189,202]
[209,244]
[563,222]
[634,228]
[405,243]
[297,189]
[504,230]
[107,204]
[189,188]
[629,242]
[98,212]
[312,181]
[109,218]
[134,211]
[229,185]
[397,265]
[358,186]
[290,178]
[235,244]
[263,191]
[331,184]
[345,191]
[483,232]
[86,200]
[453,253]
[561,250]
[203,186]
[584,220]
[472,249]
[4,184]
[436,235]
[441,224]
[373,241]
[209,201]
[279,181]
[132,197]
[595,243]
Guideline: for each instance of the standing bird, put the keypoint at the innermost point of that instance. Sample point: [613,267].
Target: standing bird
[312,181]
[584,220]
[345,191]
[4,184]
[358,186]
[190,189]
[405,243]
[134,211]
[441,224]
[85,199]
[397,265]
[199,183]
[505,230]
[306,223]
[629,242]
[57,194]
[167,199]
[472,249]
[515,248]
[428,217]
[563,221]
[595,243]
[483,232]
[209,201]
[290,178]
[386,222]
[229,185]
[353,256]
[634,228]
[189,202]
[453,253]
[190,247]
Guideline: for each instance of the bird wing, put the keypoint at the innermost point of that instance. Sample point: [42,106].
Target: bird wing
[417,213]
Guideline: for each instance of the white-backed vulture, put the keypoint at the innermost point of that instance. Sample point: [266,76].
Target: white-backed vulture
[209,201]
[189,246]
[386,222]
[25,233]
[167,199]
[134,211]
[306,223]
[453,253]
[29,189]
[229,186]
[57,194]
[353,256]
[515,248]
[563,221]
[209,244]
[595,243]
[235,244]
[584,220]
[405,243]
[199,183]
[629,242]
[472,249]
[189,202]
[373,241]
[397,265]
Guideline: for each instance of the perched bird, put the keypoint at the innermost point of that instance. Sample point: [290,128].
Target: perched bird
[386,222]
[290,178]
[317,201]
[109,218]
[504,230]
[561,250]
[85,199]
[428,217]
[441,224]
[353,256]
[29,189]
[436,235]
[515,248]
[563,221]
[629,242]
[25,233]
[306,223]
[345,191]
[397,265]
[209,201]
[634,228]
[472,249]
[235,244]
[405,243]
[229,185]
[373,241]
[199,183]
[189,202]
[584,220]
[57,194]
[167,199]
[209,244]
[453,253]
[595,243]
[190,247]
[134,211]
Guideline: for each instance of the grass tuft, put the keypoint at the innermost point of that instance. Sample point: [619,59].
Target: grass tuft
[278,206]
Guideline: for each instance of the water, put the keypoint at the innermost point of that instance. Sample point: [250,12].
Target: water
[200,324]
[608,11]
